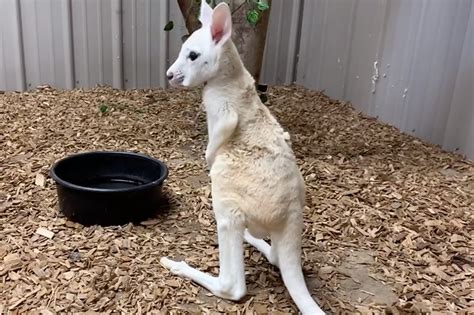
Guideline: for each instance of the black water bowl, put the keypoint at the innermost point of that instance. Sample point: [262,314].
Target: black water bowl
[109,188]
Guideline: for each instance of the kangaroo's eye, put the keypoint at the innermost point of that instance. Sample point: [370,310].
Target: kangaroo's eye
[193,55]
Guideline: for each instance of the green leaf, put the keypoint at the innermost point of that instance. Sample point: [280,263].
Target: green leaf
[169,26]
[262,5]
[253,16]
[103,108]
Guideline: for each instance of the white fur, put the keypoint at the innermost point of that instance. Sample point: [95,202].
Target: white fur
[257,187]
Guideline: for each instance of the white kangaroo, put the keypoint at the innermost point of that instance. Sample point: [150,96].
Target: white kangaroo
[257,188]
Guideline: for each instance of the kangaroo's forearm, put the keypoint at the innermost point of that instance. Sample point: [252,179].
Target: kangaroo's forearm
[221,131]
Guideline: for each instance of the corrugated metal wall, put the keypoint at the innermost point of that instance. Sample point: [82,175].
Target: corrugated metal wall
[82,43]
[459,133]
[408,62]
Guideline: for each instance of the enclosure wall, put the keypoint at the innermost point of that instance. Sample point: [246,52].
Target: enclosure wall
[409,63]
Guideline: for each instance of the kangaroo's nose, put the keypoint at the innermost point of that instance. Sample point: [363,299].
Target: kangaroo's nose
[169,75]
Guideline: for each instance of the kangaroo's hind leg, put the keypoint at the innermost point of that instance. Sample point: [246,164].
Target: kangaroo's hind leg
[268,251]
[230,284]
[287,244]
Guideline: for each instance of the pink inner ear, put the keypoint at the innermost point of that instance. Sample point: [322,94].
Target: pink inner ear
[216,34]
[219,19]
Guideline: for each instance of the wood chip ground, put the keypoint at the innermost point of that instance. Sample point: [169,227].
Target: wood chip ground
[388,222]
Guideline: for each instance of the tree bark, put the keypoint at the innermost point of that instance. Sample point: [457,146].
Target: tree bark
[190,12]
[250,40]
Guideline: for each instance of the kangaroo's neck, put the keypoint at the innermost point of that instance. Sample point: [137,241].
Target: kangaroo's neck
[233,83]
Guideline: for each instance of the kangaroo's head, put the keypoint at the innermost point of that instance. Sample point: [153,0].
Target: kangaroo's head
[198,60]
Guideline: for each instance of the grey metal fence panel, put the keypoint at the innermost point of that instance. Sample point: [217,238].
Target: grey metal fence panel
[96,41]
[459,135]
[145,43]
[434,64]
[396,60]
[47,43]
[282,42]
[12,68]
[365,44]
[324,45]
[393,70]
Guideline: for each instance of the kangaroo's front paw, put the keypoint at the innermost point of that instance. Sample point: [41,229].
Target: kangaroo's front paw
[175,267]
[209,159]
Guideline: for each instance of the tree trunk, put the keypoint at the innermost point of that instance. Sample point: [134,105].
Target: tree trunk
[249,40]
[190,12]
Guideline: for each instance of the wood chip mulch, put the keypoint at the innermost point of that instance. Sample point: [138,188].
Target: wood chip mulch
[389,219]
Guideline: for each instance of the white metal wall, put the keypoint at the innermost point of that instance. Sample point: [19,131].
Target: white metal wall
[459,133]
[82,43]
[409,63]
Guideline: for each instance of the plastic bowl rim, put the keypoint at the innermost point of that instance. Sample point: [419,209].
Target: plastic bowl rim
[67,184]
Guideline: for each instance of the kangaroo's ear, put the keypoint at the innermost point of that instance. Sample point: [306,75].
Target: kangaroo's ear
[221,27]
[205,15]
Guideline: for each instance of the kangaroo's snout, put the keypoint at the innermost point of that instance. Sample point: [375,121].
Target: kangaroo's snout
[175,77]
